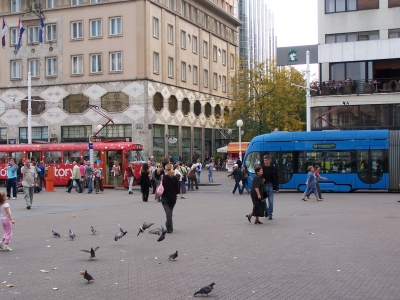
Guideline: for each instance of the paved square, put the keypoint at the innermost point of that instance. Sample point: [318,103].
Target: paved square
[345,247]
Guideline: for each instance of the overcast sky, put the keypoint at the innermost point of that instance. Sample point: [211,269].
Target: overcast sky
[296,23]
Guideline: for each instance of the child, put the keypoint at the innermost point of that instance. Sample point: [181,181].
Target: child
[6,221]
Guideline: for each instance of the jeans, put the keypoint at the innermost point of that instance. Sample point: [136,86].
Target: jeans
[270,208]
[245,186]
[78,183]
[210,178]
[12,183]
[237,185]
[130,181]
[28,191]
[42,181]
[198,176]
[89,183]
[168,208]
[99,184]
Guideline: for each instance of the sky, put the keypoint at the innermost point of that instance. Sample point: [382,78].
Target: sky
[296,23]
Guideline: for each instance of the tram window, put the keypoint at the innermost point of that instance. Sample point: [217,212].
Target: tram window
[34,156]
[285,167]
[52,157]
[96,156]
[71,156]
[3,157]
[16,155]
[252,160]
[135,156]
[330,161]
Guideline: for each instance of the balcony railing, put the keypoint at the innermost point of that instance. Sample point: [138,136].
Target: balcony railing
[348,87]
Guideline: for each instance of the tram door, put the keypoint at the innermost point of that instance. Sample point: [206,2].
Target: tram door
[371,165]
[111,158]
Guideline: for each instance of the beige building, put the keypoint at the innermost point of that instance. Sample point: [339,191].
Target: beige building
[159,69]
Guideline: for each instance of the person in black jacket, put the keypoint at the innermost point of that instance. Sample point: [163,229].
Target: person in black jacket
[270,175]
[237,175]
[257,195]
[168,199]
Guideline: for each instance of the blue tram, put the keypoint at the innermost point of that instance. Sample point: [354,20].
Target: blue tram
[351,160]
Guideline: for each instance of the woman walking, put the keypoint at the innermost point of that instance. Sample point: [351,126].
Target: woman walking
[157,177]
[193,178]
[98,179]
[311,185]
[317,177]
[256,196]
[144,179]
[116,169]
[168,198]
[210,170]
[245,179]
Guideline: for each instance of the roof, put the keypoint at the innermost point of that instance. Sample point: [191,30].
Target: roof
[234,147]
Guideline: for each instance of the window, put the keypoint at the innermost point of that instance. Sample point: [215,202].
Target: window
[195,75]
[158,102]
[205,49]
[183,7]
[224,84]
[194,44]
[185,106]
[76,30]
[183,71]
[15,6]
[215,81]
[33,34]
[115,26]
[158,140]
[205,78]
[352,37]
[222,30]
[76,2]
[170,4]
[95,1]
[170,67]
[51,32]
[51,3]
[95,63]
[155,27]
[51,66]
[194,15]
[156,68]
[197,112]
[394,33]
[394,3]
[170,34]
[38,105]
[224,57]
[116,61]
[38,133]
[183,39]
[332,6]
[95,28]
[215,53]
[73,103]
[14,36]
[34,67]
[205,21]
[173,106]
[16,69]
[77,64]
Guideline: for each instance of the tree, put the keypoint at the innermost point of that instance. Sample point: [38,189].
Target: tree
[264,99]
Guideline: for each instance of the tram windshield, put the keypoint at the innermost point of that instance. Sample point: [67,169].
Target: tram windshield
[136,156]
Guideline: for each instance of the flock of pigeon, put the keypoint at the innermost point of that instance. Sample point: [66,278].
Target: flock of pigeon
[160,231]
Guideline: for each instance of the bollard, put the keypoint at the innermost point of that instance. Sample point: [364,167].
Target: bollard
[49,174]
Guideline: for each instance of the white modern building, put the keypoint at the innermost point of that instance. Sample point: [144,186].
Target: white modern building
[359,63]
[257,41]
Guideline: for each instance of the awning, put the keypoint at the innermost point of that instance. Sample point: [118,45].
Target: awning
[222,149]
[234,147]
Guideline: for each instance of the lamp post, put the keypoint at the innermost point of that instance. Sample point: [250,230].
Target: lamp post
[29,108]
[239,124]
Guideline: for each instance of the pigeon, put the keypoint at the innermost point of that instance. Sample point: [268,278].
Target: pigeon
[87,276]
[120,234]
[155,231]
[205,290]
[163,232]
[71,234]
[174,255]
[93,230]
[144,227]
[55,233]
[92,252]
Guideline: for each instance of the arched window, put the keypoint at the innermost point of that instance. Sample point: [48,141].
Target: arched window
[197,108]
[172,104]
[226,111]
[217,111]
[208,109]
[158,102]
[185,106]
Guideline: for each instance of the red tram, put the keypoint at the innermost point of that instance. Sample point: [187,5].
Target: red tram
[61,156]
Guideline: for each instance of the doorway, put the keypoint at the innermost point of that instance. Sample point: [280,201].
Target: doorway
[110,158]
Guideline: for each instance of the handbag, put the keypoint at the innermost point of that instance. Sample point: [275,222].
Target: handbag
[160,188]
[265,194]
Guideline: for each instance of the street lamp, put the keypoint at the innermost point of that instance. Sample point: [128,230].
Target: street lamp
[239,124]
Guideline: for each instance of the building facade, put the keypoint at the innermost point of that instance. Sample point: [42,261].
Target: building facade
[159,69]
[257,41]
[359,62]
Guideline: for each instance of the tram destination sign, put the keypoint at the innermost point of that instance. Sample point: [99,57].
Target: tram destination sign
[324,146]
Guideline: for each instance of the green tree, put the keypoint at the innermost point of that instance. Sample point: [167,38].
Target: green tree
[264,99]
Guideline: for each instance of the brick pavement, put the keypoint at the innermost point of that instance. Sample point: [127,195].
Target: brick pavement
[355,233]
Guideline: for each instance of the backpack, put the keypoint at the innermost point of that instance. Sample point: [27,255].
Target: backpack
[244,175]
[198,168]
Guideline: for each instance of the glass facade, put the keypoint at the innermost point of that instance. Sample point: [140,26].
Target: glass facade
[186,144]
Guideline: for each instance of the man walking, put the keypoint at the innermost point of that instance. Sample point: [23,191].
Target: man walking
[12,178]
[28,182]
[237,175]
[76,176]
[270,175]
[89,170]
